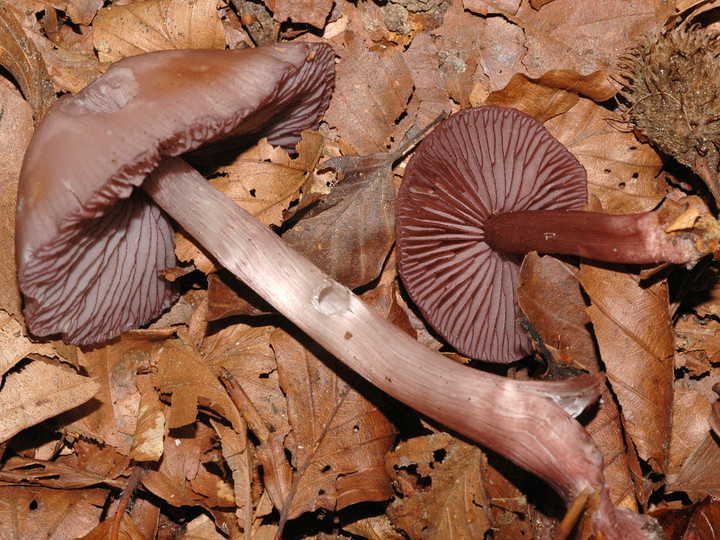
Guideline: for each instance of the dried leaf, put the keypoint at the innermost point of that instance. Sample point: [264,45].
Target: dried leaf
[371,93]
[550,296]
[339,436]
[606,429]
[349,232]
[15,130]
[312,12]
[33,513]
[147,444]
[182,372]
[127,30]
[24,402]
[697,521]
[52,475]
[442,486]
[125,530]
[115,366]
[691,413]
[700,474]
[634,333]
[14,345]
[20,57]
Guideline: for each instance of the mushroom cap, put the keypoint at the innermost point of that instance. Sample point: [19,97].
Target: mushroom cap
[89,247]
[476,163]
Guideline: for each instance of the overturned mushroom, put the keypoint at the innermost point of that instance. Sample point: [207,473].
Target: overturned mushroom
[490,184]
[67,233]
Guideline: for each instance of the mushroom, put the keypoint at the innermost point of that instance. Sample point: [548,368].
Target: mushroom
[485,187]
[82,226]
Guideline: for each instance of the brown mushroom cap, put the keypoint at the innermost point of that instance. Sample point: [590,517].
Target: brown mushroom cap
[89,247]
[478,162]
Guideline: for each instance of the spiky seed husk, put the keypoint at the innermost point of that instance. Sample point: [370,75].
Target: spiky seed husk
[672,84]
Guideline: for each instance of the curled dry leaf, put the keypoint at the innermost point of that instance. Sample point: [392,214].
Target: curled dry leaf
[25,403]
[127,30]
[634,334]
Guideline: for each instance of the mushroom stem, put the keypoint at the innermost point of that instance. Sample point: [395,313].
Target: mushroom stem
[513,418]
[629,238]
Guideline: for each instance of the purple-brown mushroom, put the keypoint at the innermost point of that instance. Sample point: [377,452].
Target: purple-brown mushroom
[92,238]
[89,246]
[485,187]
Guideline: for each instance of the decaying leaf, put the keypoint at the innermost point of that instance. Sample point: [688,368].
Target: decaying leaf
[313,12]
[338,438]
[154,25]
[24,402]
[442,486]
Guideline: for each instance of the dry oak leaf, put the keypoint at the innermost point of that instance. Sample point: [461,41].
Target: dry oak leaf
[125,529]
[127,30]
[50,474]
[699,476]
[38,391]
[441,481]
[338,439]
[184,373]
[33,513]
[263,180]
[634,333]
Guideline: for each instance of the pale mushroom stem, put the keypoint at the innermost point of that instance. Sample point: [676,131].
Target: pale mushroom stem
[515,419]
[629,238]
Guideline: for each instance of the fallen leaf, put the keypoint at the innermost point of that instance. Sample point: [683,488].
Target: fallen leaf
[339,436]
[154,25]
[349,232]
[442,487]
[695,522]
[17,470]
[15,346]
[371,92]
[550,296]
[184,374]
[16,126]
[24,402]
[20,57]
[634,333]
[33,513]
